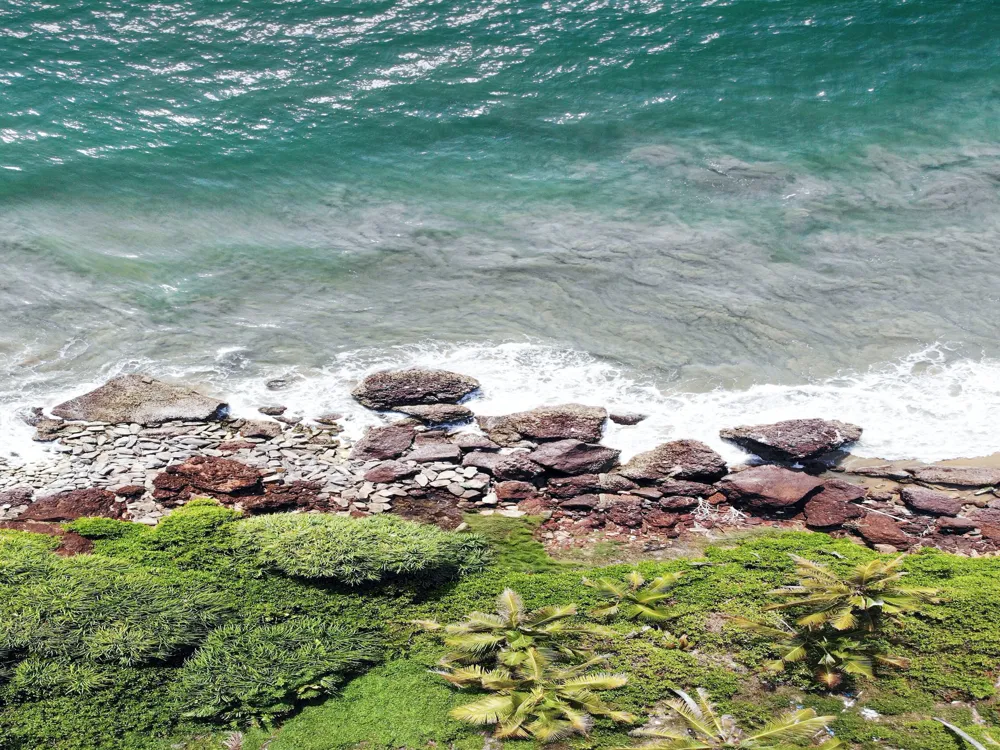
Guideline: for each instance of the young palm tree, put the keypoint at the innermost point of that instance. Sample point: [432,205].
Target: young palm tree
[855,602]
[512,629]
[637,599]
[537,697]
[698,726]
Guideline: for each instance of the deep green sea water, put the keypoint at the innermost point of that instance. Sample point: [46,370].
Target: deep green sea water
[714,211]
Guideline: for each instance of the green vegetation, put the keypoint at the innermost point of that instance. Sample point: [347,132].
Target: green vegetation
[638,599]
[173,636]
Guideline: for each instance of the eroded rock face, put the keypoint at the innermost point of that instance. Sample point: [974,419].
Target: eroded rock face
[678,459]
[928,501]
[221,478]
[878,529]
[793,439]
[391,388]
[68,506]
[383,443]
[624,510]
[959,476]
[437,414]
[585,423]
[769,487]
[627,418]
[143,400]
[575,457]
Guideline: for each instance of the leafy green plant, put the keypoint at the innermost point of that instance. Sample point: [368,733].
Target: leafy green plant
[356,551]
[506,634]
[537,697]
[247,672]
[637,599]
[697,725]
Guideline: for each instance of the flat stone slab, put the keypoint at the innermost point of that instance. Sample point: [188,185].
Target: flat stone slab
[793,439]
[142,400]
[959,476]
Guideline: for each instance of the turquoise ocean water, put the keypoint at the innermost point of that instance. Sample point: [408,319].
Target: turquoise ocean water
[714,211]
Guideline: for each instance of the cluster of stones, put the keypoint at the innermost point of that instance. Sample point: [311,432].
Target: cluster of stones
[136,447]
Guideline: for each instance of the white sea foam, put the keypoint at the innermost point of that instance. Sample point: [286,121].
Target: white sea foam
[928,406]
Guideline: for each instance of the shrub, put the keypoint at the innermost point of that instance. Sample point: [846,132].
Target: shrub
[356,551]
[247,672]
[637,599]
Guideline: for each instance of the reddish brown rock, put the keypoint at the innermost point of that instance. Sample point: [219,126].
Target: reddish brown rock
[516,466]
[959,476]
[580,502]
[17,496]
[481,460]
[437,414]
[131,491]
[232,446]
[625,510]
[928,501]
[435,451]
[432,505]
[681,487]
[513,491]
[948,525]
[574,457]
[679,459]
[469,441]
[826,510]
[584,423]
[260,428]
[141,399]
[658,519]
[987,520]
[68,506]
[793,439]
[615,483]
[283,497]
[878,529]
[70,543]
[383,443]
[390,471]
[392,388]
[535,506]
[206,475]
[882,471]
[768,487]
[583,484]
[678,502]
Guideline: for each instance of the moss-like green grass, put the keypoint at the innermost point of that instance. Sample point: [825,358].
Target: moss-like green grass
[395,702]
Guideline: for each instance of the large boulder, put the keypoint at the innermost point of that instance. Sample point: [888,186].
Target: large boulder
[391,388]
[576,421]
[678,459]
[878,529]
[383,443]
[143,400]
[437,414]
[575,457]
[68,506]
[517,467]
[959,476]
[935,503]
[435,450]
[793,439]
[769,487]
[388,472]
[835,504]
[220,478]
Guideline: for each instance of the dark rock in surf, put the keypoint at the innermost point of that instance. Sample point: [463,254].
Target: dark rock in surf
[627,418]
[470,441]
[391,388]
[793,439]
[143,400]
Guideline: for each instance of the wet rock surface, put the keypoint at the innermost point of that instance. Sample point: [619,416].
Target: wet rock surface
[68,506]
[140,399]
[392,388]
[793,439]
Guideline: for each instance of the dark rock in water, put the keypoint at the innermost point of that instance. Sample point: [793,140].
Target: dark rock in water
[260,428]
[272,411]
[574,457]
[624,510]
[47,430]
[584,423]
[381,443]
[131,491]
[390,471]
[678,502]
[17,496]
[878,529]
[68,506]
[929,501]
[469,441]
[627,418]
[681,487]
[437,414]
[283,383]
[220,478]
[514,491]
[392,388]
[580,502]
[70,543]
[959,476]
[679,459]
[330,418]
[516,466]
[948,525]
[435,451]
[834,505]
[793,439]
[141,399]
[769,487]
[31,416]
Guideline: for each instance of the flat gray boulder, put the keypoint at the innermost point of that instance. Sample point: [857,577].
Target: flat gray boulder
[391,388]
[793,439]
[143,400]
[584,423]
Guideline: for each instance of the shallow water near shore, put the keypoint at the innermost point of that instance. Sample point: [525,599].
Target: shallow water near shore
[715,213]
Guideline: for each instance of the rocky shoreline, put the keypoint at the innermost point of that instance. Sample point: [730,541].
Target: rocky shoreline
[136,448]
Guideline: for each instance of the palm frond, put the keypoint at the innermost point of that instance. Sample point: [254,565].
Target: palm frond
[795,725]
[510,607]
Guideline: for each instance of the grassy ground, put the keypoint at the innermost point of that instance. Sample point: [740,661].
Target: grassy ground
[398,704]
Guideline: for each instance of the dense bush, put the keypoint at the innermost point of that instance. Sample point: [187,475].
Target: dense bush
[356,551]
[244,672]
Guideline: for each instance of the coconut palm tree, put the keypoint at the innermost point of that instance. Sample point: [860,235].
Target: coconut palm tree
[697,725]
[637,599]
[855,602]
[482,636]
[537,698]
